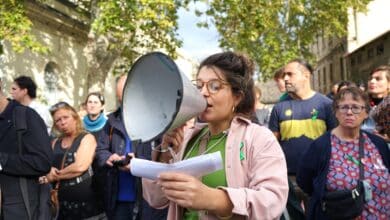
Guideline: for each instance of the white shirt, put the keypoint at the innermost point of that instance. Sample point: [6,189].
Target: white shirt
[43,111]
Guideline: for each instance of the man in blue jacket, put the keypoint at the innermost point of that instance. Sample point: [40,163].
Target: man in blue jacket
[113,144]
[122,191]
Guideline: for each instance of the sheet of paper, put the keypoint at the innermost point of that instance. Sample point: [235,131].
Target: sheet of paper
[196,166]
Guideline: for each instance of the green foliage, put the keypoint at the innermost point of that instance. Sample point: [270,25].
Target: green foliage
[137,24]
[149,24]
[16,27]
[273,32]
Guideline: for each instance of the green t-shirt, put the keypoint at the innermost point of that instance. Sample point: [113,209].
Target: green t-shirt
[215,179]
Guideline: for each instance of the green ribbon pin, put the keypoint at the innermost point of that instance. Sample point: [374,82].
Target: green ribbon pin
[242,155]
[353,160]
[314,114]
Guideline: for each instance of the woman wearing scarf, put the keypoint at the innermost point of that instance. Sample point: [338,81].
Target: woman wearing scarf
[95,118]
[93,122]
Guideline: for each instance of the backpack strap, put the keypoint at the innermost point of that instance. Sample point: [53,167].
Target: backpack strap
[19,120]
[76,142]
[111,132]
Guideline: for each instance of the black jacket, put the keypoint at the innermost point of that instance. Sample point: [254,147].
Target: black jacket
[36,161]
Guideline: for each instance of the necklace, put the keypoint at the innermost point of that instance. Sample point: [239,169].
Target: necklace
[66,142]
[201,136]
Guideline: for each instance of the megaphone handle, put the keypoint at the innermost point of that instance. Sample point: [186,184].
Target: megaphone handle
[159,149]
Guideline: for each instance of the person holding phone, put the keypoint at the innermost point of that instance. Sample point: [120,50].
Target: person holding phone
[120,187]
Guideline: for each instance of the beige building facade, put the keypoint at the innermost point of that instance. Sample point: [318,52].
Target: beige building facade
[330,68]
[58,74]
[366,46]
[368,40]
[61,74]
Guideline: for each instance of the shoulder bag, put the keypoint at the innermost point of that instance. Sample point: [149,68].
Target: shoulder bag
[346,204]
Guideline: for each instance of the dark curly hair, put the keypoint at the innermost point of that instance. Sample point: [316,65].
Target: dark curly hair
[238,70]
[25,82]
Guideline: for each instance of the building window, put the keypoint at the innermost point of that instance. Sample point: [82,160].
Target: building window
[331,72]
[359,58]
[380,49]
[323,78]
[353,61]
[370,53]
[51,76]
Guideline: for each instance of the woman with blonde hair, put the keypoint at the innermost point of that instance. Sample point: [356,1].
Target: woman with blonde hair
[74,151]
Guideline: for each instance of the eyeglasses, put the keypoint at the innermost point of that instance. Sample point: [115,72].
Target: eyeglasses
[356,109]
[58,105]
[213,85]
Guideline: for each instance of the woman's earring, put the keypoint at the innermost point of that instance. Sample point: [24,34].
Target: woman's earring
[234,108]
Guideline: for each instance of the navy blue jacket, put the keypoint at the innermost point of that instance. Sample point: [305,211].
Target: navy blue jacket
[111,139]
[314,166]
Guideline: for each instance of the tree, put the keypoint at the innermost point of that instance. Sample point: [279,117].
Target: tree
[15,27]
[119,29]
[273,32]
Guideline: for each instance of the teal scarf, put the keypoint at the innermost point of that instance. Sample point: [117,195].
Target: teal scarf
[95,125]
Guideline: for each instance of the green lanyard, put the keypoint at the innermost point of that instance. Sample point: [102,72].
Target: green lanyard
[353,160]
[361,153]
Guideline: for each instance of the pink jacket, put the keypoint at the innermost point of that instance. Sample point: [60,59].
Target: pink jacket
[257,185]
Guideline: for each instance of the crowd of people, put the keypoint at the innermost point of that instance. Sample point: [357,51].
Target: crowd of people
[284,163]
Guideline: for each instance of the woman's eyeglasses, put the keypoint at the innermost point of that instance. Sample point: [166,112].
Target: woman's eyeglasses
[356,109]
[213,85]
[58,105]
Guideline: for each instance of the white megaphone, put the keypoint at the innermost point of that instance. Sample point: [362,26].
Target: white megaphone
[158,98]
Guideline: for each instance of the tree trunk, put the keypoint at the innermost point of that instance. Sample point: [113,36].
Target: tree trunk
[100,60]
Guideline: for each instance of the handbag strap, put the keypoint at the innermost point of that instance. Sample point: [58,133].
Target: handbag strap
[19,119]
[62,166]
[361,155]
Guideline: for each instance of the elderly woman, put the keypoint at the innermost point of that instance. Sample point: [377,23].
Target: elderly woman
[253,183]
[333,162]
[74,150]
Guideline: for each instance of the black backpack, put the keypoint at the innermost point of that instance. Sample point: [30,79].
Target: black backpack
[19,121]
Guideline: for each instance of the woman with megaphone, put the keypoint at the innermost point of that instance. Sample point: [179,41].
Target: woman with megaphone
[253,183]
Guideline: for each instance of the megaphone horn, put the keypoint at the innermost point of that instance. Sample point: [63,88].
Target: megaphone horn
[158,98]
